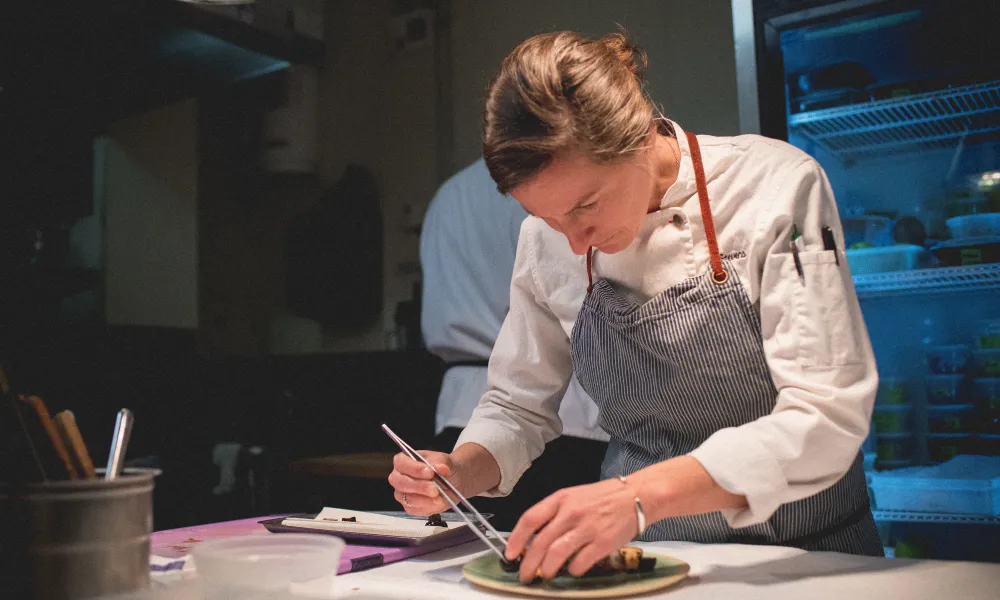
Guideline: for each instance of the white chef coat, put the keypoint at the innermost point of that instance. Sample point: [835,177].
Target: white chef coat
[467,248]
[814,337]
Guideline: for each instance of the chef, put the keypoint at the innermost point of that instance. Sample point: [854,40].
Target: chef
[687,282]
[468,243]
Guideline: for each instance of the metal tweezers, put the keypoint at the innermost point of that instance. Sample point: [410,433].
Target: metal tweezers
[476,528]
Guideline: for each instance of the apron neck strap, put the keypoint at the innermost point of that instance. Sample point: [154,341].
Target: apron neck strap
[719,274]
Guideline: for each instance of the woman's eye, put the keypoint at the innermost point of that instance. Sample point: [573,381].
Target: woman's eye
[587,206]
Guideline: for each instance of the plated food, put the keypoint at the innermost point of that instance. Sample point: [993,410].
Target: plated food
[625,573]
[626,560]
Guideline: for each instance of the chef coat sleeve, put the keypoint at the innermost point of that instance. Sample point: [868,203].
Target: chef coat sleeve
[529,371]
[818,351]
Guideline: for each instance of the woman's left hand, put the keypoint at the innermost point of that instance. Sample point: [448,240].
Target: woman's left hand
[586,522]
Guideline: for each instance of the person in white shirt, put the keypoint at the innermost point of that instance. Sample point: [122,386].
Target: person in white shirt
[685,281]
[467,247]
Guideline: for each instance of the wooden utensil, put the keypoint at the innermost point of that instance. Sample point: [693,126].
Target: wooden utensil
[66,423]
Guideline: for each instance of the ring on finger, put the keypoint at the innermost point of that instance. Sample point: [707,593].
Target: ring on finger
[405,501]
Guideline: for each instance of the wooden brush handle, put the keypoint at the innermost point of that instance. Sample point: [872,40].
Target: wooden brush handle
[53,432]
[74,441]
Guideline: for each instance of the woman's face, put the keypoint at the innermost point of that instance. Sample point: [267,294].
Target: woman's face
[599,205]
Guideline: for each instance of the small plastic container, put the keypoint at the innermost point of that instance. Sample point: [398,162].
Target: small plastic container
[968,485]
[891,418]
[946,446]
[988,444]
[901,257]
[970,226]
[947,360]
[986,391]
[986,362]
[892,391]
[956,418]
[945,389]
[268,562]
[988,334]
[892,447]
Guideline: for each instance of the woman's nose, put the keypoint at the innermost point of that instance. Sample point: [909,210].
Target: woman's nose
[580,239]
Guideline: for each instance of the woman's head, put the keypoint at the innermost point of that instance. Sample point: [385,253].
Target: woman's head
[566,124]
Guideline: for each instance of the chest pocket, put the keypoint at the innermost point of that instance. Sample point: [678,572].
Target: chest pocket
[828,336]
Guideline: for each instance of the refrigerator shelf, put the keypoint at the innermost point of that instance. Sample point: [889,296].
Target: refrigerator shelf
[929,281]
[921,121]
[899,516]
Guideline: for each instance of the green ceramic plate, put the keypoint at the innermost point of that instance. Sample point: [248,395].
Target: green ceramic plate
[485,571]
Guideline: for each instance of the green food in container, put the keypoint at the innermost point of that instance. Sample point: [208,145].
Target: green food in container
[891,419]
[894,447]
[950,419]
[945,389]
[946,446]
[891,391]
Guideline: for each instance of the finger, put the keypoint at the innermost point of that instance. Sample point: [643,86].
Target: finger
[540,545]
[413,468]
[561,550]
[530,522]
[587,557]
[409,485]
[420,506]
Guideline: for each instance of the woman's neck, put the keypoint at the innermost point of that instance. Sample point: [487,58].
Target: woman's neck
[666,155]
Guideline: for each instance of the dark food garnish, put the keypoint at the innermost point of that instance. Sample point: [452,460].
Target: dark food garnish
[511,566]
[626,560]
[350,519]
[435,520]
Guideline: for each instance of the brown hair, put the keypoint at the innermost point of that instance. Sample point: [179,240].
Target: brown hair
[564,90]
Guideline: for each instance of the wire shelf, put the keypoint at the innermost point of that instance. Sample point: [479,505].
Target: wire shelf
[929,281]
[898,516]
[929,120]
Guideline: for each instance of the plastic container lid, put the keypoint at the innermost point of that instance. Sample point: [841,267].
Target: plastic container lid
[951,377]
[948,408]
[948,348]
[272,561]
[894,435]
[884,408]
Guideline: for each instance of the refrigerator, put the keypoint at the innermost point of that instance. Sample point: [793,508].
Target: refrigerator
[899,101]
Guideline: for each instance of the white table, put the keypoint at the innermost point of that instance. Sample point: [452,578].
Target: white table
[717,572]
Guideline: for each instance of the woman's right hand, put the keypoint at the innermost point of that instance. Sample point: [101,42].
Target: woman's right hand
[414,489]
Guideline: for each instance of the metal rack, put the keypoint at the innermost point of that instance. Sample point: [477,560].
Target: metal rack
[929,281]
[898,516]
[929,120]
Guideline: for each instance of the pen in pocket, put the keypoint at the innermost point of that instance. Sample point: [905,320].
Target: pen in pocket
[795,253]
[830,244]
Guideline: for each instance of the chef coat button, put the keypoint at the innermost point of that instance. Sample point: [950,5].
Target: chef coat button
[678,220]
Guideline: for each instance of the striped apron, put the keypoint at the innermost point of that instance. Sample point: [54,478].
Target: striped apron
[669,373]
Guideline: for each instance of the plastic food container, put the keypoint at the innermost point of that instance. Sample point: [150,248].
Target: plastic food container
[891,419]
[987,394]
[956,418]
[273,561]
[946,446]
[968,485]
[988,444]
[866,231]
[988,336]
[891,391]
[987,362]
[890,447]
[901,257]
[978,225]
[947,360]
[945,389]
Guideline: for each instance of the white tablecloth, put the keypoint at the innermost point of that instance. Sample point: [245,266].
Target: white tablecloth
[717,572]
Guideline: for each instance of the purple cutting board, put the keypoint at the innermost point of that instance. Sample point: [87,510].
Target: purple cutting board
[175,543]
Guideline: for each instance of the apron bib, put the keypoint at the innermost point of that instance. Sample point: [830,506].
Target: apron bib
[669,373]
